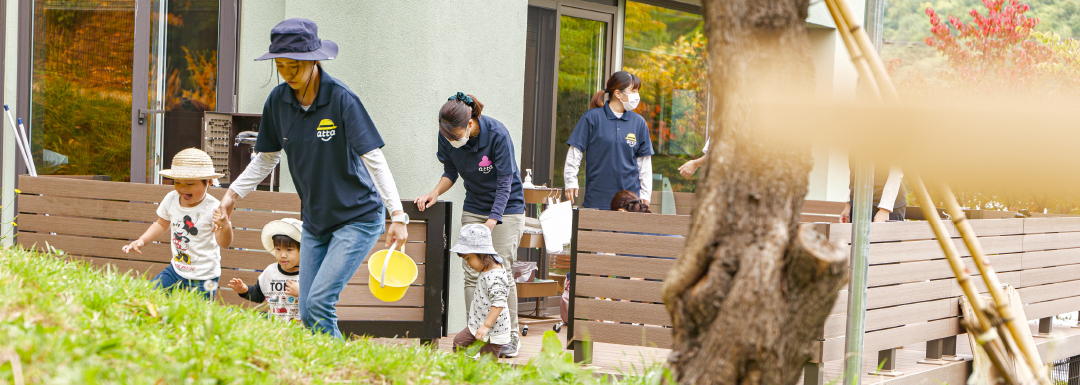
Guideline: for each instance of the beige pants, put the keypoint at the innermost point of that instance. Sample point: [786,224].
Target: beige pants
[506,237]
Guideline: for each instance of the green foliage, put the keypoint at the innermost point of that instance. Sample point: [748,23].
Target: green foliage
[905,26]
[91,128]
[67,323]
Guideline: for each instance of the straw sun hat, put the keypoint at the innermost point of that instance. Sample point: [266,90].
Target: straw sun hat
[288,227]
[191,163]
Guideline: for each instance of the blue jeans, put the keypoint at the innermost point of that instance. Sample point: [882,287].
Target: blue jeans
[168,278]
[327,263]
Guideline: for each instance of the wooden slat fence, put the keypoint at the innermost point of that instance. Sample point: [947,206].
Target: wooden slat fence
[92,220]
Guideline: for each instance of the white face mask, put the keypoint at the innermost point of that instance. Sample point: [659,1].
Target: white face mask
[460,142]
[631,101]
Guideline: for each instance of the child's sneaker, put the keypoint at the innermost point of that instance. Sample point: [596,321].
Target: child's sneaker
[510,350]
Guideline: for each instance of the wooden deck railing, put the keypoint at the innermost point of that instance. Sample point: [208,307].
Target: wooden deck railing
[91,220]
[620,259]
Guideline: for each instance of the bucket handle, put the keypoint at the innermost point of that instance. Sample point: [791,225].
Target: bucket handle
[386,261]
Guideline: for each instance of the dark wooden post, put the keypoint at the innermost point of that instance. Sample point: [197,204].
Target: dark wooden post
[813,374]
[887,362]
[1046,326]
[934,352]
[948,349]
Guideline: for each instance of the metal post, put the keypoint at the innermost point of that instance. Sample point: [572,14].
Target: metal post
[860,265]
[861,212]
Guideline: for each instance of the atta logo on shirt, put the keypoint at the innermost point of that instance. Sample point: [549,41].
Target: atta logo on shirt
[485,165]
[631,139]
[326,130]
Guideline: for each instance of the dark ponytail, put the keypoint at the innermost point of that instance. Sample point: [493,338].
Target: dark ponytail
[457,111]
[629,201]
[618,81]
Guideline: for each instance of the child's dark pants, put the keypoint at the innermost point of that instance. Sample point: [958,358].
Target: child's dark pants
[465,339]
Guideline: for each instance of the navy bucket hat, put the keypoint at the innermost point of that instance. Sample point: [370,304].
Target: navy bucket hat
[298,39]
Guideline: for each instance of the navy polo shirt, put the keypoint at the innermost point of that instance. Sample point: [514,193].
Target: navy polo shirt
[480,162]
[324,145]
[611,146]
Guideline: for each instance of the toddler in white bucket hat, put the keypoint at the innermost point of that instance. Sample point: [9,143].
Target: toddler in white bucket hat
[197,232]
[489,317]
[279,283]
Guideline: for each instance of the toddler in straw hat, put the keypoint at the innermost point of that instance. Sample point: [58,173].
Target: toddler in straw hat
[489,318]
[197,233]
[279,283]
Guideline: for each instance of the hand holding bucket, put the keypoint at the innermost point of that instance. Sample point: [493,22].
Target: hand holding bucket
[396,271]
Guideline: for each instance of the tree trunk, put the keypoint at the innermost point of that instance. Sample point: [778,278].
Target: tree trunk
[751,291]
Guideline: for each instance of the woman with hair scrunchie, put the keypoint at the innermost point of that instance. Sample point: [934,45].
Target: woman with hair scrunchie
[479,149]
[616,145]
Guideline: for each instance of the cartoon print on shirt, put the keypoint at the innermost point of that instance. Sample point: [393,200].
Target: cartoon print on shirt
[327,129]
[485,165]
[180,239]
[631,139]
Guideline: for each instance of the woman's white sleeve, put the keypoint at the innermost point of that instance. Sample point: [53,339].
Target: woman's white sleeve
[644,166]
[256,171]
[384,181]
[570,170]
[892,187]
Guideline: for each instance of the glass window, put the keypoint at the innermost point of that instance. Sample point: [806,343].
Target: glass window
[81,101]
[666,49]
[581,74]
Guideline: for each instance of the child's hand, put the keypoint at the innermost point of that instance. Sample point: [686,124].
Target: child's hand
[137,245]
[292,288]
[221,220]
[238,285]
[482,332]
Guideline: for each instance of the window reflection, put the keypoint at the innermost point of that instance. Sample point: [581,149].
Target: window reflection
[81,96]
[666,49]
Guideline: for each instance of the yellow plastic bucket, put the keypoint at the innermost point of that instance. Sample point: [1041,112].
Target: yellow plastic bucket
[391,276]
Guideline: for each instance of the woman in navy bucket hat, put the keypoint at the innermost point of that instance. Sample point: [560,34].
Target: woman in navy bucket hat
[336,163]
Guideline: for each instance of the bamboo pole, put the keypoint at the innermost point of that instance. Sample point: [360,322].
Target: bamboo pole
[857,56]
[990,277]
[972,294]
[888,90]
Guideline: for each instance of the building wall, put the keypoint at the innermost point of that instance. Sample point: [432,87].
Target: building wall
[7,156]
[403,59]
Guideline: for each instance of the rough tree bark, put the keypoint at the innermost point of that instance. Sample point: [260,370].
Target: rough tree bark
[752,289]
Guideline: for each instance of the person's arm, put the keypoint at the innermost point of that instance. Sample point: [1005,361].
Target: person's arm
[255,173]
[157,229]
[570,171]
[384,180]
[223,232]
[447,180]
[888,194]
[254,294]
[502,195]
[384,183]
[644,164]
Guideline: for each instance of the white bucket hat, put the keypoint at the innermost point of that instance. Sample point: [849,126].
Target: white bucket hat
[191,163]
[288,227]
[475,239]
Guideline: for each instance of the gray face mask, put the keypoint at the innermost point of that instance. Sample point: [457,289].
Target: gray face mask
[460,142]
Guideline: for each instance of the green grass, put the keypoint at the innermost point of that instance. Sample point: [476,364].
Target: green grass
[68,323]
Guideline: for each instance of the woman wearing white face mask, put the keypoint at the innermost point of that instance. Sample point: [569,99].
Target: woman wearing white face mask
[616,145]
[479,149]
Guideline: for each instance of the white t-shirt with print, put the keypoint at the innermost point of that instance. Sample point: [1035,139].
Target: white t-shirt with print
[195,251]
[272,282]
[492,288]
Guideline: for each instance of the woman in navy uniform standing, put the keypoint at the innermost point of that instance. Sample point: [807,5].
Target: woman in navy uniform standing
[616,146]
[336,162]
[479,149]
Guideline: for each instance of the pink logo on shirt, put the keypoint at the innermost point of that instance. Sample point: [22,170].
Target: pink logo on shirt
[485,165]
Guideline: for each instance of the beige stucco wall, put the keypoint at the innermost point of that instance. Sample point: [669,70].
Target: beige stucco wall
[403,59]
